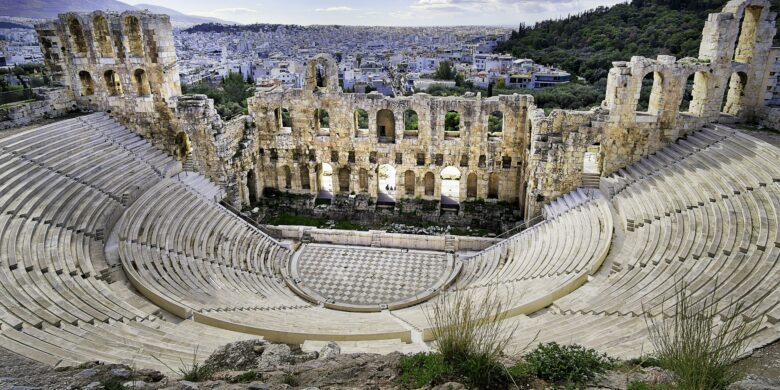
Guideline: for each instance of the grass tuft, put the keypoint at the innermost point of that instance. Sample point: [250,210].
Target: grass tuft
[193,372]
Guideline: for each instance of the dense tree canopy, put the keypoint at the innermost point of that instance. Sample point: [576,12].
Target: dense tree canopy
[229,97]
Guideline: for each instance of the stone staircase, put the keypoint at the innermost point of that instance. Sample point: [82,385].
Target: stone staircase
[189,164]
[591,180]
[449,244]
[376,239]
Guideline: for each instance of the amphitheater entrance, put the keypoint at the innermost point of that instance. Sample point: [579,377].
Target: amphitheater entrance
[386,183]
[183,145]
[325,182]
[365,279]
[450,188]
[591,164]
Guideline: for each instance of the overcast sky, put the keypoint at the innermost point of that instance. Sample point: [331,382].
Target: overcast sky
[382,12]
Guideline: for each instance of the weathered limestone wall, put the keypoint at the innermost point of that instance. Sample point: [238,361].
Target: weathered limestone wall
[55,102]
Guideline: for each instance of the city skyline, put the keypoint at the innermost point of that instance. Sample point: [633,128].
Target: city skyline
[387,13]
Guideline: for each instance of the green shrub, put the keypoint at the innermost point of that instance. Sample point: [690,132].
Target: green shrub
[698,343]
[423,368]
[193,372]
[567,363]
[291,379]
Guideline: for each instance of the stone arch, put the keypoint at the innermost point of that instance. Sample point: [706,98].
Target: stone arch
[77,34]
[386,183]
[361,122]
[411,124]
[283,118]
[591,161]
[495,123]
[471,185]
[694,95]
[325,181]
[649,95]
[493,185]
[450,185]
[735,95]
[183,145]
[344,179]
[303,172]
[141,83]
[363,179]
[87,85]
[135,43]
[102,36]
[429,182]
[287,177]
[322,73]
[745,46]
[113,84]
[385,126]
[409,183]
[251,186]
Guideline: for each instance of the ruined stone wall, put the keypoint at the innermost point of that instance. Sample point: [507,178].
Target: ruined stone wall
[53,103]
[122,63]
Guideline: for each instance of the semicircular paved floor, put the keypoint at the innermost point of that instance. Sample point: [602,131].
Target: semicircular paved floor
[369,279]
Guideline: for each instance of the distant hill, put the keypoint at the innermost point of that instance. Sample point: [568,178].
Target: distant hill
[13,25]
[48,9]
[587,43]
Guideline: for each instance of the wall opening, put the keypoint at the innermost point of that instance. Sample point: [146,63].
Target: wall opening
[361,122]
[429,182]
[409,183]
[591,162]
[471,186]
[77,33]
[113,85]
[694,94]
[251,185]
[495,124]
[411,124]
[344,179]
[133,34]
[87,85]
[287,177]
[748,34]
[493,186]
[283,118]
[735,95]
[304,176]
[321,77]
[325,178]
[323,119]
[385,126]
[102,36]
[141,83]
[183,145]
[450,186]
[386,184]
[452,124]
[363,179]
[650,94]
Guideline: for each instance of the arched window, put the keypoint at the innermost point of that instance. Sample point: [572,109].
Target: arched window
[133,32]
[649,95]
[361,122]
[77,34]
[141,83]
[746,42]
[87,86]
[493,186]
[386,183]
[385,126]
[251,185]
[450,185]
[304,173]
[452,124]
[113,85]
[409,183]
[287,176]
[495,123]
[694,93]
[734,101]
[323,118]
[321,77]
[284,120]
[471,185]
[429,182]
[344,174]
[411,124]
[102,36]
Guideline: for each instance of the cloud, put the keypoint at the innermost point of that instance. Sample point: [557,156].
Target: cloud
[224,11]
[342,8]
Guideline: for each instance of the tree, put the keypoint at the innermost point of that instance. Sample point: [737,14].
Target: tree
[445,71]
[452,121]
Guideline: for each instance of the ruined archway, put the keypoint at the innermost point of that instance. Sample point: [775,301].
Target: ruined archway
[113,84]
[694,95]
[361,122]
[386,183]
[304,176]
[649,95]
[493,186]
[77,34]
[102,36]
[409,183]
[385,126]
[87,85]
[141,83]
[450,186]
[132,28]
[471,185]
[322,73]
[411,124]
[748,34]
[429,181]
[734,101]
[325,181]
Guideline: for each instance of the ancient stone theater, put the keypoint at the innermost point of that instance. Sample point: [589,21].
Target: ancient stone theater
[121,234]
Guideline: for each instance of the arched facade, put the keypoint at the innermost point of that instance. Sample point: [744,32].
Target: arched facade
[385,126]
[132,29]
[77,35]
[113,84]
[102,36]
[87,84]
[141,83]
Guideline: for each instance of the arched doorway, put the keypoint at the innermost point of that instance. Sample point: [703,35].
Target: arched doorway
[77,33]
[304,173]
[344,179]
[133,33]
[471,185]
[409,183]
[650,94]
[113,84]
[386,184]
[325,179]
[287,175]
[450,186]
[493,186]
[734,102]
[591,162]
[251,185]
[430,183]
[141,83]
[102,36]
[87,86]
[385,126]
[183,145]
